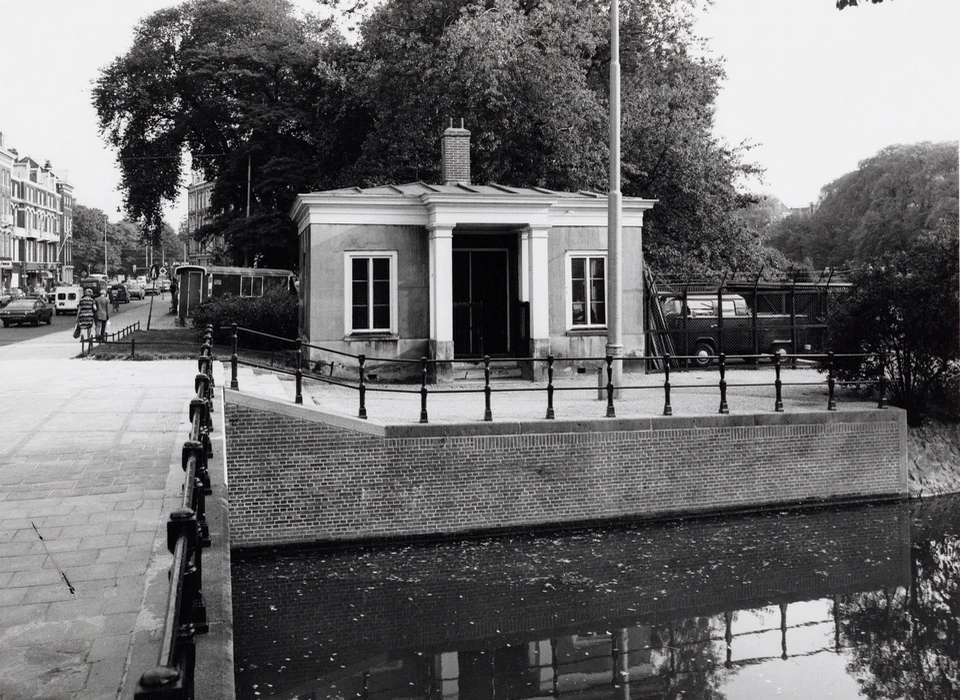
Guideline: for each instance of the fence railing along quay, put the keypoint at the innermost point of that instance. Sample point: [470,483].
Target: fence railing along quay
[187,536]
[827,362]
[111,338]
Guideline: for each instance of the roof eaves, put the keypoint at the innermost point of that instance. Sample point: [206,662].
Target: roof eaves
[502,188]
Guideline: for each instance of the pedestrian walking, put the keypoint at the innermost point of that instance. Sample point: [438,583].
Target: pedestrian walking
[86,315]
[102,315]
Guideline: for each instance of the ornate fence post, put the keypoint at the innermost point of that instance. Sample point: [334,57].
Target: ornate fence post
[299,396]
[778,404]
[667,408]
[611,411]
[550,414]
[233,357]
[831,384]
[423,390]
[363,387]
[723,384]
[487,413]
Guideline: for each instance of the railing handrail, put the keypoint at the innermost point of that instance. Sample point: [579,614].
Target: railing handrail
[187,535]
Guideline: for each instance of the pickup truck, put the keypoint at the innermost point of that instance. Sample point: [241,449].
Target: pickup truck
[695,328]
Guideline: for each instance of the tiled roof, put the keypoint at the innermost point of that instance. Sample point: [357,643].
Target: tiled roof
[416,189]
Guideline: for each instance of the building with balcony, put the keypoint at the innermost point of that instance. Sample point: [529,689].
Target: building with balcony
[36,223]
[198,214]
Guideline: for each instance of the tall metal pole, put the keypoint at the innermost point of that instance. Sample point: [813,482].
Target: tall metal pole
[105,273]
[614,207]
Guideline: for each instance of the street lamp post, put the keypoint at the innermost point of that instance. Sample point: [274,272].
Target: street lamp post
[614,208]
[105,273]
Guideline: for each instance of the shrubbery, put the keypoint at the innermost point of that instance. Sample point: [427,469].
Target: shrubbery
[905,307]
[276,313]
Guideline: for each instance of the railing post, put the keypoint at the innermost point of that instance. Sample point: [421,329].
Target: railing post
[487,413]
[667,408]
[299,396]
[133,346]
[233,357]
[423,390]
[363,387]
[723,384]
[831,384]
[550,414]
[611,411]
[882,401]
[778,404]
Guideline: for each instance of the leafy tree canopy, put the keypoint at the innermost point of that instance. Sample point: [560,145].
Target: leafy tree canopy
[125,247]
[237,82]
[882,207]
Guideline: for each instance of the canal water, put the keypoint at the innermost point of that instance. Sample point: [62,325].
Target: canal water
[859,602]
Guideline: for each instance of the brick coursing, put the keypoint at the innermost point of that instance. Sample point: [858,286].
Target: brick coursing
[293,480]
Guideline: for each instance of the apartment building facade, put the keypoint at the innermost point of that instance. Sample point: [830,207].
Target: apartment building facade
[36,223]
[198,214]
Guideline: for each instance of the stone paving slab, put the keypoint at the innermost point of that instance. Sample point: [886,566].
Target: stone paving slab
[90,461]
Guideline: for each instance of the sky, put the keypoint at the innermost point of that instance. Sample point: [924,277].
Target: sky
[815,90]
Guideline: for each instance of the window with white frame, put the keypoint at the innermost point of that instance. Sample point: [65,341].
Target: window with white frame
[370,292]
[586,289]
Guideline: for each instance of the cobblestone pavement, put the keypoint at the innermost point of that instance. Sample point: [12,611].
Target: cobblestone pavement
[89,468]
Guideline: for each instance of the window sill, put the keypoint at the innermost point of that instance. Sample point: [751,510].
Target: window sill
[574,332]
[359,337]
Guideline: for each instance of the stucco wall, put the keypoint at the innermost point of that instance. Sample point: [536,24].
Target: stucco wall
[565,343]
[325,324]
[297,475]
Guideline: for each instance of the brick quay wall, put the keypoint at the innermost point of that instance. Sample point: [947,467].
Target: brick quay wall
[299,476]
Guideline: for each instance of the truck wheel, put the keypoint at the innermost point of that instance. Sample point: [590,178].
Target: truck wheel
[702,351]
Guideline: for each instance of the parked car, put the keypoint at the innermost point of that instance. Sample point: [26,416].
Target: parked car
[118,293]
[151,289]
[23,311]
[695,327]
[67,300]
[134,290]
[164,285]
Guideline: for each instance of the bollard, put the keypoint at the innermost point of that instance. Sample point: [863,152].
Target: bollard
[611,411]
[831,384]
[778,404]
[550,414]
[487,413]
[299,374]
[667,408]
[133,346]
[423,390]
[233,357]
[363,387]
[723,384]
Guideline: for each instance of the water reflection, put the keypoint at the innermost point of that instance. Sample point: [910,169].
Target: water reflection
[828,604]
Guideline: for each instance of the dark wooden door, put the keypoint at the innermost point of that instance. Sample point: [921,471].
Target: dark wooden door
[481,310]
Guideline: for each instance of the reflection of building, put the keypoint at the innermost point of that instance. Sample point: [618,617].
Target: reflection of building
[198,214]
[36,223]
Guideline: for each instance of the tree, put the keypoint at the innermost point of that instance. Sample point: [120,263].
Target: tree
[904,308]
[237,85]
[243,85]
[881,207]
[530,79]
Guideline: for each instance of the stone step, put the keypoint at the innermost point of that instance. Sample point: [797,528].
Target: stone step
[473,370]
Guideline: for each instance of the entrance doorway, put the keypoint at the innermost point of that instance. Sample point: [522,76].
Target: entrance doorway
[481,302]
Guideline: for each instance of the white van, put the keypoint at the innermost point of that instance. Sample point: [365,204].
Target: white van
[67,299]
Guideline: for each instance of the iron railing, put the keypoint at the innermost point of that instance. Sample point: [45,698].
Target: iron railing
[114,337]
[187,535]
[827,362]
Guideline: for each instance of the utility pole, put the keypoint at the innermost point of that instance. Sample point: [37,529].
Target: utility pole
[105,272]
[614,208]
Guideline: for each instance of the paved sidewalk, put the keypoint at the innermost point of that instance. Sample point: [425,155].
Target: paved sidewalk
[90,461]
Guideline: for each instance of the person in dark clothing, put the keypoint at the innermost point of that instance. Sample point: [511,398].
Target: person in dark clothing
[102,315]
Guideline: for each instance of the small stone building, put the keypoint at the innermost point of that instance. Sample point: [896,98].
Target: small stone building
[456,271]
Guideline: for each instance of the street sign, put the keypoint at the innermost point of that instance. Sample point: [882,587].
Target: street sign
[163,271]
[155,271]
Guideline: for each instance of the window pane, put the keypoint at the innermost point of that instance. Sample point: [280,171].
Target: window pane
[596,268]
[577,268]
[360,318]
[598,313]
[579,314]
[360,269]
[381,292]
[258,286]
[381,316]
[381,269]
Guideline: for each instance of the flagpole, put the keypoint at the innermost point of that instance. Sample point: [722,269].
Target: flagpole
[614,207]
